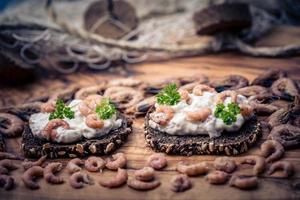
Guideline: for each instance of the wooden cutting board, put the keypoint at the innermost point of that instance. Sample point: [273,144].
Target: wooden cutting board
[137,151]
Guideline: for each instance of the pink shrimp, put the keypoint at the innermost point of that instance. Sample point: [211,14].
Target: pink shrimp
[184,95]
[74,165]
[49,171]
[286,167]
[163,115]
[180,183]
[31,174]
[225,164]
[28,164]
[157,161]
[220,98]
[142,185]
[199,115]
[78,179]
[48,107]
[199,89]
[94,164]
[194,169]
[49,131]
[145,174]
[272,150]
[93,121]
[258,162]
[242,182]
[217,177]
[117,181]
[118,160]
[246,110]
[89,104]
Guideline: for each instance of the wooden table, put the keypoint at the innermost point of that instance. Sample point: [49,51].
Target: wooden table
[136,149]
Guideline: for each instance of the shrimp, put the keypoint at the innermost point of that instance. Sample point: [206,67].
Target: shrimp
[49,170]
[89,104]
[30,175]
[225,164]
[279,117]
[285,88]
[163,115]
[286,134]
[199,115]
[118,160]
[286,167]
[48,107]
[157,161]
[6,155]
[86,91]
[10,125]
[220,98]
[49,131]
[6,182]
[258,162]
[266,79]
[28,164]
[217,177]
[141,185]
[7,165]
[117,181]
[74,165]
[180,183]
[231,82]
[199,89]
[271,150]
[194,169]
[246,110]
[144,174]
[94,164]
[243,182]
[93,121]
[77,180]
[127,82]
[184,95]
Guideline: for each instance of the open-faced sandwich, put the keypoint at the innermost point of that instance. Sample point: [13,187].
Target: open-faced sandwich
[77,128]
[201,121]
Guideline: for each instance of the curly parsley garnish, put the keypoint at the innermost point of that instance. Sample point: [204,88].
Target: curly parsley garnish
[61,111]
[106,109]
[227,113]
[168,96]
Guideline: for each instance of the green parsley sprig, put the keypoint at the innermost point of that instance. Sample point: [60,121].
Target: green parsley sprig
[61,111]
[168,95]
[106,109]
[227,113]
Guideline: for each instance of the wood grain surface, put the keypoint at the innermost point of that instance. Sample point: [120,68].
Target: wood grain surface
[135,148]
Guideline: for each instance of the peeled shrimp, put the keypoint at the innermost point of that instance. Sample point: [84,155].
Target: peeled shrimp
[144,174]
[286,167]
[180,183]
[217,177]
[199,115]
[6,182]
[93,121]
[266,79]
[86,91]
[163,115]
[89,104]
[225,164]
[286,134]
[194,169]
[184,95]
[78,179]
[30,175]
[94,164]
[117,181]
[118,160]
[7,165]
[49,171]
[48,107]
[271,150]
[246,110]
[199,89]
[157,161]
[50,129]
[220,98]
[28,164]
[141,185]
[10,125]
[74,165]
[258,162]
[243,182]
[285,88]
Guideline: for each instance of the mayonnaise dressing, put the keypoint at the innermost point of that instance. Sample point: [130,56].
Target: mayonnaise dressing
[78,128]
[212,126]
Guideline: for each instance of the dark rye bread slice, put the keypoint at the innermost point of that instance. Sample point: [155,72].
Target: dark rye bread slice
[223,17]
[2,144]
[34,147]
[229,143]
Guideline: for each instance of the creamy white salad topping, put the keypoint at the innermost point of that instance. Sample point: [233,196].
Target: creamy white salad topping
[212,126]
[78,128]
